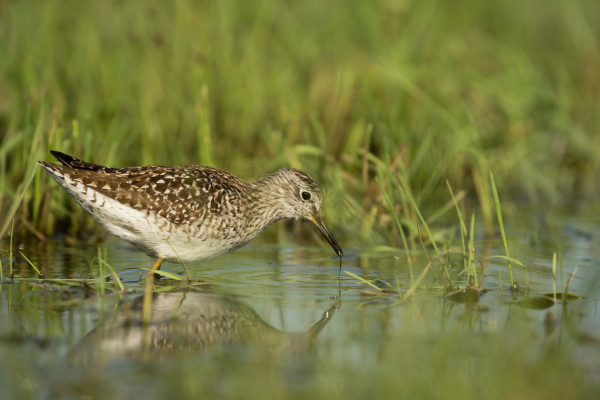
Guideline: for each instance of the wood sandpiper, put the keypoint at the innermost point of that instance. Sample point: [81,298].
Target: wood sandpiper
[188,212]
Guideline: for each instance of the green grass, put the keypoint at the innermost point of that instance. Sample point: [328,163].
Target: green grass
[435,91]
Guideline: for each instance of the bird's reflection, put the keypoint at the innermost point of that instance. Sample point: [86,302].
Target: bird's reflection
[189,320]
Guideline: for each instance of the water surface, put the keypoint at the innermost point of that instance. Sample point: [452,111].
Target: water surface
[287,322]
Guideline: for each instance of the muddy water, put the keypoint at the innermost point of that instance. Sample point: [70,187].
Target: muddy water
[290,312]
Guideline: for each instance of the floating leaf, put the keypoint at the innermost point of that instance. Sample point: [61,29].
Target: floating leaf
[536,303]
[561,296]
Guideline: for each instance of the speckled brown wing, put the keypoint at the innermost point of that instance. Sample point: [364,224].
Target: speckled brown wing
[179,194]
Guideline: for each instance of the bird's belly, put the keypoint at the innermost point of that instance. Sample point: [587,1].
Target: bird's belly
[173,242]
[176,246]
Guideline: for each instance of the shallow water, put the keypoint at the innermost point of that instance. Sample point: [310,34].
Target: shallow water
[287,322]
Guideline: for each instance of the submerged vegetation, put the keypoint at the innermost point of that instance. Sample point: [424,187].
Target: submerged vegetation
[432,128]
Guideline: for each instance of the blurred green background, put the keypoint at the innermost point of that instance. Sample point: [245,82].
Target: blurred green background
[379,100]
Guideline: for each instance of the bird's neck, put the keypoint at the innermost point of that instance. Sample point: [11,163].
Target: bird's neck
[266,196]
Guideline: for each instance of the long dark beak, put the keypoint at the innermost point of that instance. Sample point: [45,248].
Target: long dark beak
[316,218]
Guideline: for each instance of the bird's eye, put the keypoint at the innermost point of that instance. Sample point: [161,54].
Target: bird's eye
[305,195]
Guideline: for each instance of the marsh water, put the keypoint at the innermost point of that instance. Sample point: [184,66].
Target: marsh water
[287,322]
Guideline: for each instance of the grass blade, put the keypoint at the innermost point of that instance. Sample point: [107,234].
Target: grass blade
[363,280]
[501,225]
[32,266]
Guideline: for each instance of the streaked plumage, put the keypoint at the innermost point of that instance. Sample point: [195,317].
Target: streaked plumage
[201,212]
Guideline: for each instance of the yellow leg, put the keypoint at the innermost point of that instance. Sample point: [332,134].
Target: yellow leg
[147,307]
[155,267]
